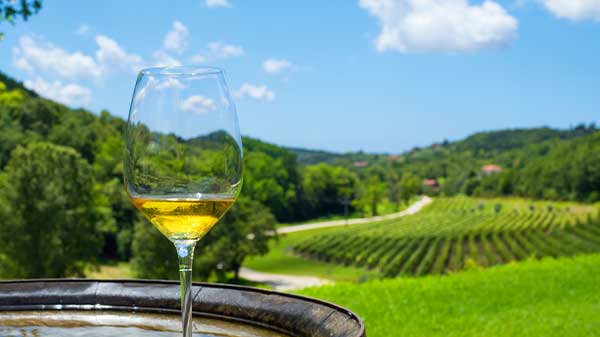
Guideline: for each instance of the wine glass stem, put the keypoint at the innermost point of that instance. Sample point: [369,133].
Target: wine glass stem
[185,252]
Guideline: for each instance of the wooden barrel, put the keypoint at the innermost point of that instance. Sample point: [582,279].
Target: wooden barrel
[288,314]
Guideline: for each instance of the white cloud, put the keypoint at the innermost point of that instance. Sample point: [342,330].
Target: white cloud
[217,3]
[70,94]
[33,54]
[110,56]
[163,59]
[576,10]
[176,38]
[258,92]
[197,104]
[440,25]
[275,66]
[170,83]
[218,50]
[223,50]
[83,29]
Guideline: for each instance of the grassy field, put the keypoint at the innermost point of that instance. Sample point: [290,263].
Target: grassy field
[551,297]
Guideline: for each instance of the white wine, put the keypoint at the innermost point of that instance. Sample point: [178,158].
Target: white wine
[184,218]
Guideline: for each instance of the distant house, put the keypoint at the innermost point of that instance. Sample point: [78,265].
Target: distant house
[491,169]
[361,164]
[394,157]
[431,183]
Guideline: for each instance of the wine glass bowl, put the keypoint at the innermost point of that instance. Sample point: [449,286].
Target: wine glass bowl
[183,162]
[183,156]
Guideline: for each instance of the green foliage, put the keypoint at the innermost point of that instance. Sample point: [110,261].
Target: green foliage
[548,298]
[267,180]
[536,163]
[51,214]
[10,10]
[327,189]
[394,189]
[410,185]
[370,195]
[10,98]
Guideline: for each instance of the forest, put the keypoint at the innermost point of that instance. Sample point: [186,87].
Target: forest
[62,189]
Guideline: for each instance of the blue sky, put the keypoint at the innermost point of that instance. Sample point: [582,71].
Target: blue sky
[373,75]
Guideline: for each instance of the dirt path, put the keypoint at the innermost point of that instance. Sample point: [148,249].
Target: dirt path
[281,282]
[412,209]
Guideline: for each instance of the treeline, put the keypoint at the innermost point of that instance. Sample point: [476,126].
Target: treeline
[538,163]
[63,205]
[535,163]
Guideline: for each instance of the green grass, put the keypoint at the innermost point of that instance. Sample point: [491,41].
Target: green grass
[551,297]
[279,260]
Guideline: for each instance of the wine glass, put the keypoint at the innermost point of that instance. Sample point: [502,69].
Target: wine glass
[183,158]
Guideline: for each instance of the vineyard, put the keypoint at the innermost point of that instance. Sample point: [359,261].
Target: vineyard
[456,233]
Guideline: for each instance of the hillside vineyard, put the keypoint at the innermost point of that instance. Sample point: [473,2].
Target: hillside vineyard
[456,233]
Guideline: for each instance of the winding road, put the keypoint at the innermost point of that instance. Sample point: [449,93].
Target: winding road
[281,282]
[412,209]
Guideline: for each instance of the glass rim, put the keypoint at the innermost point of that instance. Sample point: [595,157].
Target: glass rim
[183,70]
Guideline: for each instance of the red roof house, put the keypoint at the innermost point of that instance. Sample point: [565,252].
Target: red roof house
[431,183]
[491,168]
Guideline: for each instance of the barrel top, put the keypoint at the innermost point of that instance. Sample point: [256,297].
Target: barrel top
[291,314]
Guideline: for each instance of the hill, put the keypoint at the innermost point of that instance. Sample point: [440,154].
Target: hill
[11,84]
[536,298]
[505,140]
[484,144]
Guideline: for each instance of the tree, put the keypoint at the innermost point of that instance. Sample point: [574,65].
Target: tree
[52,215]
[370,194]
[267,180]
[327,189]
[394,189]
[410,186]
[10,10]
